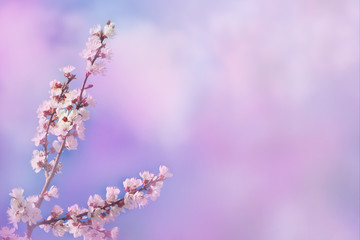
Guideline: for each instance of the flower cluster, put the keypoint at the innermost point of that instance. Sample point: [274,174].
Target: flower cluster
[61,124]
[89,222]
[21,209]
[64,114]
[9,234]
[96,48]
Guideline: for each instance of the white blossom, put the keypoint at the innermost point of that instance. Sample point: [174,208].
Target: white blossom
[71,143]
[55,88]
[164,171]
[95,29]
[131,184]
[114,233]
[146,176]
[109,30]
[112,193]
[67,69]
[63,115]
[38,160]
[22,210]
[84,114]
[56,211]
[95,68]
[56,145]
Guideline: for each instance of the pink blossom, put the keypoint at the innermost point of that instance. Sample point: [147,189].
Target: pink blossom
[80,130]
[109,30]
[131,184]
[97,218]
[114,233]
[7,234]
[141,199]
[71,143]
[112,193]
[59,229]
[52,193]
[146,176]
[96,201]
[106,53]
[56,211]
[44,109]
[32,199]
[67,69]
[63,116]
[129,201]
[84,114]
[55,88]
[66,118]
[93,234]
[58,167]
[74,227]
[164,171]
[74,210]
[17,193]
[39,137]
[154,191]
[56,145]
[22,210]
[95,68]
[92,47]
[38,160]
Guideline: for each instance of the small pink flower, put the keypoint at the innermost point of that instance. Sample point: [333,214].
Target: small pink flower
[95,68]
[141,199]
[6,233]
[38,160]
[109,30]
[95,29]
[55,88]
[112,194]
[71,143]
[114,233]
[52,193]
[56,145]
[131,184]
[96,201]
[66,70]
[164,171]
[56,211]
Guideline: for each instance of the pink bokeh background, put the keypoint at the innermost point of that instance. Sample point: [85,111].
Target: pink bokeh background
[254,106]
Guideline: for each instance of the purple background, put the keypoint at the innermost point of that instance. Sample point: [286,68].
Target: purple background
[252,104]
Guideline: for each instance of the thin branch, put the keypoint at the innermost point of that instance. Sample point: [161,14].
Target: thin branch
[120,203]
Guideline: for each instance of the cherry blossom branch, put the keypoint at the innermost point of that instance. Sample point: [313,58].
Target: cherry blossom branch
[45,141]
[89,222]
[69,77]
[49,178]
[52,174]
[63,116]
[88,73]
[120,203]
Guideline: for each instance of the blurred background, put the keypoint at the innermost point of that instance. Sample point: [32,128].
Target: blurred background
[253,105]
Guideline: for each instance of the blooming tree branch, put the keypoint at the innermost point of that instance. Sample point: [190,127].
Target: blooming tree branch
[61,121]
